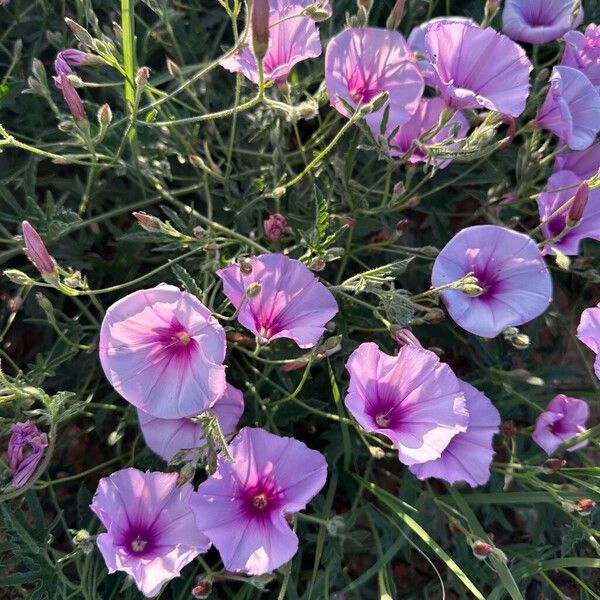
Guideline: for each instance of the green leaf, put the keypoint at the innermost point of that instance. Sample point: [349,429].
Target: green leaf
[186,280]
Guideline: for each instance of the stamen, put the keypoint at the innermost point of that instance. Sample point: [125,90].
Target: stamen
[138,544]
[260,501]
[382,420]
[183,337]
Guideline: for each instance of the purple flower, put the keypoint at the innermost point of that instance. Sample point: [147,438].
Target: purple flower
[292,39]
[70,57]
[287,300]
[37,253]
[26,447]
[469,454]
[167,437]
[162,350]
[426,118]
[563,419]
[362,63]
[588,332]
[242,507]
[561,187]
[582,51]
[539,21]
[585,163]
[412,398]
[516,285]
[275,226]
[72,98]
[571,109]
[477,68]
[151,534]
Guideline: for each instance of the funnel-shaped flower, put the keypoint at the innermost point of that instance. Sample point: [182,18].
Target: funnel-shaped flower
[539,21]
[167,437]
[563,419]
[588,332]
[37,253]
[585,163]
[516,284]
[571,109]
[582,51]
[289,301]
[242,507]
[361,63]
[162,350]
[412,398]
[561,187]
[477,68]
[292,39]
[151,534]
[425,119]
[469,454]
[26,446]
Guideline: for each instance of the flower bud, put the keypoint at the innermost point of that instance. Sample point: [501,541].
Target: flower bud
[316,13]
[198,231]
[147,222]
[104,115]
[334,525]
[481,549]
[173,68]
[82,539]
[141,77]
[580,200]
[37,253]
[80,32]
[375,104]
[393,21]
[239,338]
[278,192]
[377,452]
[435,315]
[245,265]
[202,589]
[18,277]
[585,506]
[471,289]
[405,337]
[307,110]
[552,465]
[275,226]
[520,341]
[260,28]
[317,264]
[186,473]
[72,98]
[253,289]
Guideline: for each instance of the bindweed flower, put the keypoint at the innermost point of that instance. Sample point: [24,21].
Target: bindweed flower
[539,21]
[70,57]
[242,507]
[26,446]
[292,38]
[563,419]
[517,286]
[280,298]
[469,454]
[585,163]
[412,398]
[362,63]
[561,187]
[571,109]
[151,534]
[477,68]
[582,52]
[426,118]
[37,253]
[275,226]
[163,350]
[167,437]
[588,332]
[72,98]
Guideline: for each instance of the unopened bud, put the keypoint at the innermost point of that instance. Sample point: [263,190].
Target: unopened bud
[142,76]
[552,465]
[393,21]
[317,264]
[344,219]
[186,473]
[202,589]
[104,115]
[239,338]
[275,226]
[278,192]
[307,110]
[245,265]
[173,68]
[481,549]
[471,289]
[147,222]
[520,341]
[316,13]
[253,289]
[72,98]
[80,32]
[198,231]
[405,337]
[45,304]
[376,452]
[334,525]
[260,28]
[375,104]
[37,253]
[579,203]
[18,277]
[585,506]
[435,315]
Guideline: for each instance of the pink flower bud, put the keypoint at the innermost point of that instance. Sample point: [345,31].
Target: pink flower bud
[585,506]
[260,28]
[72,98]
[25,450]
[482,549]
[36,251]
[142,75]
[275,226]
[395,15]
[405,337]
[579,203]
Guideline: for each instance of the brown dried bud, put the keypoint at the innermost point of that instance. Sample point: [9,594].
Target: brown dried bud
[482,549]
[508,429]
[585,506]
[552,465]
[202,589]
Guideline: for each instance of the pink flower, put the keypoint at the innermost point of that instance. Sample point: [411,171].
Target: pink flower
[162,350]
[426,118]
[585,163]
[72,98]
[65,59]
[37,253]
[588,332]
[275,226]
[362,63]
[242,507]
[151,534]
[167,437]
[563,419]
[287,300]
[469,454]
[26,447]
[571,109]
[477,68]
[292,39]
[412,398]
[582,51]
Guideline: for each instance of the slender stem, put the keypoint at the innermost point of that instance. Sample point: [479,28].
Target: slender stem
[129,62]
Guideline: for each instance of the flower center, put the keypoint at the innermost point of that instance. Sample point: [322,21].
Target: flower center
[260,501]
[183,337]
[382,420]
[138,544]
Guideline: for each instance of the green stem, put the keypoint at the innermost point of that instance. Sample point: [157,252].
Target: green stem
[129,62]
